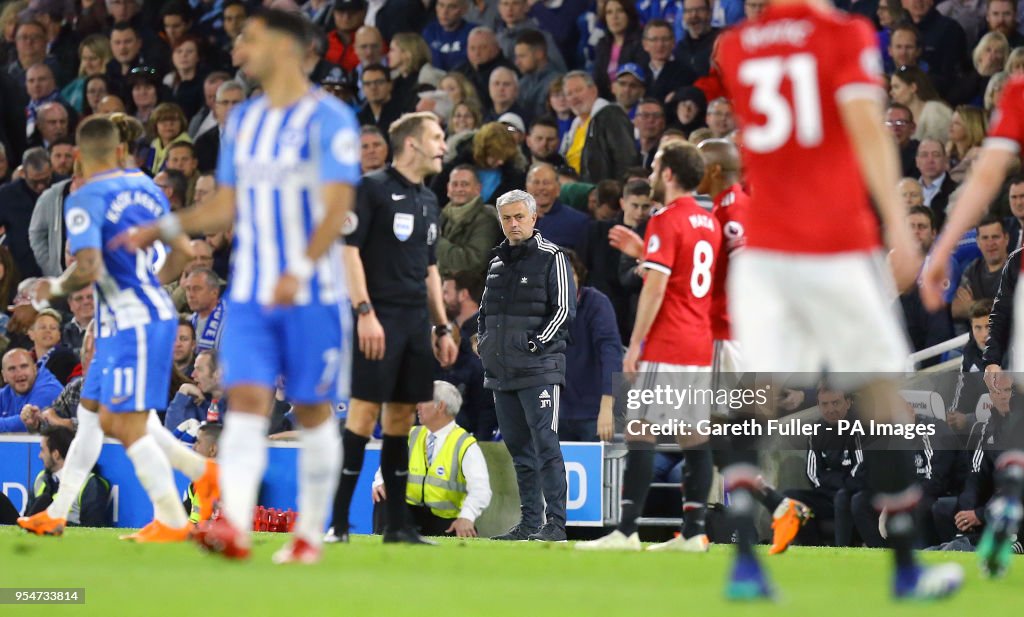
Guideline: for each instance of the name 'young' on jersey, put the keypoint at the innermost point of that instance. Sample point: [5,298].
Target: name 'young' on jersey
[683,241]
[277,159]
[788,73]
[129,293]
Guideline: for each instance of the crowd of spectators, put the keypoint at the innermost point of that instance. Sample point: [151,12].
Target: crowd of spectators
[567,99]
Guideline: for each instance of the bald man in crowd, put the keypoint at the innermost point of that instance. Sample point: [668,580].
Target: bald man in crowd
[26,385]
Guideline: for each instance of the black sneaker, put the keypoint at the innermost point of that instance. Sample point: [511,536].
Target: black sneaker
[550,533]
[405,535]
[518,533]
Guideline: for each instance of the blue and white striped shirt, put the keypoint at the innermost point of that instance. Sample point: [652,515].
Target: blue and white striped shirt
[128,290]
[277,160]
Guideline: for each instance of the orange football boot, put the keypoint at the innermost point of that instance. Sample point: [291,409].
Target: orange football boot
[42,525]
[207,490]
[787,523]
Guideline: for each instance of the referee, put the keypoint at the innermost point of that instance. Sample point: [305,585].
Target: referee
[528,303]
[395,289]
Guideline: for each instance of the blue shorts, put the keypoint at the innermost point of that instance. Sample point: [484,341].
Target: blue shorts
[131,370]
[306,345]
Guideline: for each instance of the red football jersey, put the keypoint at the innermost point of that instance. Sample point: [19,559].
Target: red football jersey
[682,241]
[787,73]
[730,210]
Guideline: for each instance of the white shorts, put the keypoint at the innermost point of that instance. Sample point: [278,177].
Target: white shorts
[690,404]
[806,313]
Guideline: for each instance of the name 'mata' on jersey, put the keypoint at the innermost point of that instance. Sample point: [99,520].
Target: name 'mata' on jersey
[137,320]
[277,159]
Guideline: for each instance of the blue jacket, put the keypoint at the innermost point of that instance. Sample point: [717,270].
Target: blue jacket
[43,393]
[565,226]
[447,49]
[182,408]
[592,356]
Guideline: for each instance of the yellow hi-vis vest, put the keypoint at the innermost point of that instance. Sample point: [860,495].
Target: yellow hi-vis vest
[442,486]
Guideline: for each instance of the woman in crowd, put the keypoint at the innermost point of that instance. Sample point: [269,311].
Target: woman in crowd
[499,163]
[911,86]
[989,57]
[966,132]
[460,89]
[8,22]
[689,106]
[622,44]
[94,52]
[146,92]
[409,59]
[167,126]
[186,80]
[462,125]
[95,89]
[47,350]
[993,91]
[558,107]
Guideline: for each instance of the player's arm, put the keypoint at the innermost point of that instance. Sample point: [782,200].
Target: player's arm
[174,265]
[83,272]
[651,296]
[863,117]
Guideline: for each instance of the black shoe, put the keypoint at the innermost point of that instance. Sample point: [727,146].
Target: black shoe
[518,533]
[550,533]
[405,535]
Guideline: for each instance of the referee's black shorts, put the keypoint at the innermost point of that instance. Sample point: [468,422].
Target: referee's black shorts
[406,374]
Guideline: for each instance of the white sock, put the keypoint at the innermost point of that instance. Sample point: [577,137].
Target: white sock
[156,476]
[319,470]
[242,456]
[81,458]
[180,456]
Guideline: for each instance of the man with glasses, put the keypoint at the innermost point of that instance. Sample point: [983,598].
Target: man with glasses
[19,200]
[649,122]
[229,94]
[696,36]
[900,121]
[380,109]
[665,72]
[30,47]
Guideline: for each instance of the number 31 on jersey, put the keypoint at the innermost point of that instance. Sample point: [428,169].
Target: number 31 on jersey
[765,77]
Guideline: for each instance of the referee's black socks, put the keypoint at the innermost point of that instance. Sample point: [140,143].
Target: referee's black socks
[636,483]
[892,477]
[394,467]
[354,449]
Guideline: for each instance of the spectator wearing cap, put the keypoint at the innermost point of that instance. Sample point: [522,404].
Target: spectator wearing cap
[515,125]
[447,34]
[622,45]
[61,42]
[497,160]
[664,72]
[696,36]
[514,21]
[600,143]
[483,55]
[348,16]
[629,87]
[380,108]
[503,90]
[341,88]
[649,121]
[536,73]
[557,222]
[229,95]
[469,227]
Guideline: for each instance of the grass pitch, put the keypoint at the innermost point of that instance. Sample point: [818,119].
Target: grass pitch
[476,577]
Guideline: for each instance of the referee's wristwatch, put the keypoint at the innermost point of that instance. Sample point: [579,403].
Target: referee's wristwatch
[442,330]
[364,308]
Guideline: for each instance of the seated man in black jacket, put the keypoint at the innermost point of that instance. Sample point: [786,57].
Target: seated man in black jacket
[91,508]
[970,385]
[835,469]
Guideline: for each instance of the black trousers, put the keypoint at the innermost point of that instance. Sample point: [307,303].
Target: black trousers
[425,521]
[819,531]
[528,420]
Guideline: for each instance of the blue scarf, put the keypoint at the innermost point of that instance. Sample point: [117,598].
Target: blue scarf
[210,336]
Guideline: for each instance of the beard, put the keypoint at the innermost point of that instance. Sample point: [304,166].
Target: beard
[658,191]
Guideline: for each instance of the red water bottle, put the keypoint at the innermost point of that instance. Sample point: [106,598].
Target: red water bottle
[213,412]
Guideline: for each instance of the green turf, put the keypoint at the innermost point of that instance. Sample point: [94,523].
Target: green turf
[476,577]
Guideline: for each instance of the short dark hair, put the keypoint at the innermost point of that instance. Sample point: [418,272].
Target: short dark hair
[28,21]
[211,430]
[981,308]
[925,211]
[61,141]
[532,38]
[991,219]
[634,172]
[36,158]
[380,68]
[906,26]
[467,167]
[901,107]
[177,7]
[58,438]
[187,145]
[187,323]
[179,184]
[1017,179]
[473,282]
[568,172]
[659,23]
[121,26]
[545,120]
[637,188]
[408,125]
[293,25]
[685,162]
[240,3]
[609,192]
